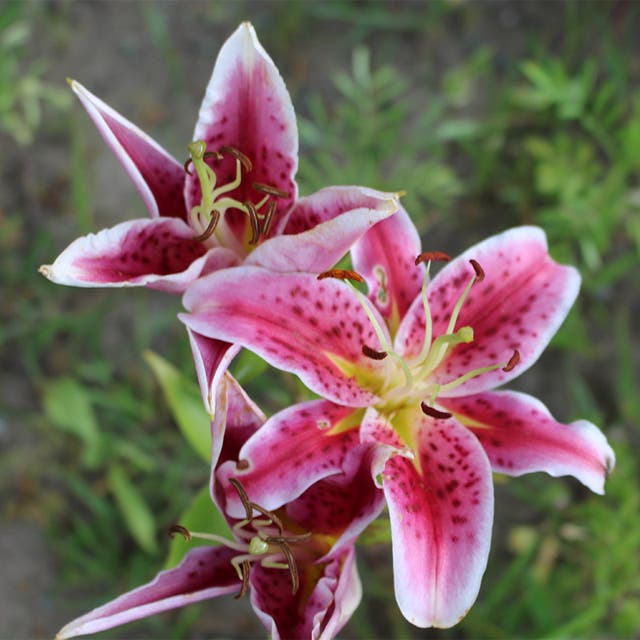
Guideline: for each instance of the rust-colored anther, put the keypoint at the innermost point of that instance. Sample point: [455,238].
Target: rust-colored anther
[478,269]
[268,218]
[432,256]
[183,531]
[186,164]
[255,223]
[212,154]
[513,361]
[373,354]
[434,413]
[244,498]
[211,227]
[272,191]
[244,568]
[341,274]
[238,155]
[269,515]
[241,465]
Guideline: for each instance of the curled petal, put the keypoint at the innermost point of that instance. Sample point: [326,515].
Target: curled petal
[158,253]
[520,436]
[246,106]
[328,595]
[158,177]
[519,305]
[385,256]
[322,228]
[295,448]
[204,573]
[441,512]
[311,328]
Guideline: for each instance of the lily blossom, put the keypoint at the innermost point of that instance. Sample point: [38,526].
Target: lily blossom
[298,562]
[234,199]
[411,369]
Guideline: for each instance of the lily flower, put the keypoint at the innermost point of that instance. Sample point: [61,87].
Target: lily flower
[298,562]
[411,368]
[234,199]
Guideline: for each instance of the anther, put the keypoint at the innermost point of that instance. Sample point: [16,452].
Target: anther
[268,217]
[211,227]
[186,164]
[244,498]
[212,154]
[434,413]
[272,191]
[373,354]
[341,274]
[432,256]
[478,269]
[241,465]
[238,155]
[183,531]
[513,361]
[255,223]
[244,569]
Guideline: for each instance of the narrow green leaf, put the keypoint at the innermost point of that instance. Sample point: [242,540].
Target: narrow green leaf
[202,515]
[67,406]
[134,509]
[185,403]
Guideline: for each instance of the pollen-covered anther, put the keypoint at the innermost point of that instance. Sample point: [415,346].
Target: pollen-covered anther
[255,223]
[211,227]
[268,189]
[478,269]
[268,217]
[432,256]
[241,465]
[434,413]
[238,155]
[373,354]
[341,274]
[183,531]
[513,361]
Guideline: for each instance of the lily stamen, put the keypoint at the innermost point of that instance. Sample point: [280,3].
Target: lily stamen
[373,354]
[433,412]
[341,274]
[268,189]
[211,227]
[239,156]
[432,256]
[513,361]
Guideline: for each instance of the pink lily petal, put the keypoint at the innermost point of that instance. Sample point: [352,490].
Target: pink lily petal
[291,451]
[235,420]
[211,358]
[328,595]
[158,253]
[520,436]
[157,176]
[205,572]
[324,226]
[441,514]
[292,321]
[520,304]
[343,504]
[247,106]
[386,258]
[377,429]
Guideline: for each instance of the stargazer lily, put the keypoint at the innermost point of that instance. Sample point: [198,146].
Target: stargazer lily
[297,561]
[234,199]
[412,368]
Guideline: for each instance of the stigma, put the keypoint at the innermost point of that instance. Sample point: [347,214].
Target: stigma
[207,219]
[258,538]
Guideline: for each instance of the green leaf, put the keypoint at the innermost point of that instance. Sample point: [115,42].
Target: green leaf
[202,515]
[185,403]
[67,406]
[134,509]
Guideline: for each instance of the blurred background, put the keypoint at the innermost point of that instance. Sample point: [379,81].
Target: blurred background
[489,115]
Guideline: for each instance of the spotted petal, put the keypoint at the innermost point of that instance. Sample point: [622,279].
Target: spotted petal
[204,573]
[247,106]
[441,512]
[158,253]
[295,322]
[386,258]
[520,436]
[322,228]
[158,177]
[519,305]
[328,595]
[295,448]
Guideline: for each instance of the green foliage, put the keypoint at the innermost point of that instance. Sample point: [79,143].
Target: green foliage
[22,91]
[185,404]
